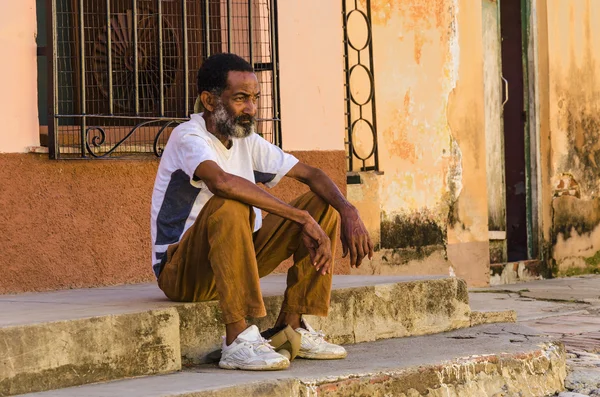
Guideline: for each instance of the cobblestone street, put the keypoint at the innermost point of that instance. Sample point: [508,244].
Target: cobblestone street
[565,308]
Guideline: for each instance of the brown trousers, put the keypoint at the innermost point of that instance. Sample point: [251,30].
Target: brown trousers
[220,257]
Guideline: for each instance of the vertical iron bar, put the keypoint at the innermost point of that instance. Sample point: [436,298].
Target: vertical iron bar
[275,68]
[52,59]
[82,76]
[229,19]
[136,76]
[206,29]
[109,58]
[250,33]
[373,104]
[347,78]
[161,76]
[186,72]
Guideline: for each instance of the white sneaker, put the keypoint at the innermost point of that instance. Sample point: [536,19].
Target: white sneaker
[251,351]
[314,346]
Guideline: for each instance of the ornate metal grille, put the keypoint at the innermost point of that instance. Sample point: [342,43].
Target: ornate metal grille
[361,120]
[123,72]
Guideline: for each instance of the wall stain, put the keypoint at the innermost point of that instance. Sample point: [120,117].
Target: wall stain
[418,16]
[426,13]
[400,145]
[578,114]
[412,230]
[419,42]
[403,256]
[454,183]
[575,146]
[571,214]
[583,134]
[583,216]
[593,260]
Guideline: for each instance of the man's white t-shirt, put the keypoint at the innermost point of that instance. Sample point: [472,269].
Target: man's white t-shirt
[177,199]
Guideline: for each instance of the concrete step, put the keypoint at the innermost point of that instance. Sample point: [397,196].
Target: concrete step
[488,360]
[67,338]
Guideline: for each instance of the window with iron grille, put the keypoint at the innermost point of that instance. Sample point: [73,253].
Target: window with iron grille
[361,120]
[123,72]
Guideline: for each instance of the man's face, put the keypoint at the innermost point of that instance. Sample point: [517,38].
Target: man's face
[235,109]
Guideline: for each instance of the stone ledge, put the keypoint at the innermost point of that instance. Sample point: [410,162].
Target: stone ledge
[67,353]
[533,373]
[489,360]
[76,351]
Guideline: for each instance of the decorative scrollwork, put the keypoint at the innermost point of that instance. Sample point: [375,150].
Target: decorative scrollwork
[99,138]
[158,151]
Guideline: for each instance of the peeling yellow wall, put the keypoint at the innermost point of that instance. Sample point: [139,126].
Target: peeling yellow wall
[468,245]
[416,63]
[574,58]
[574,130]
[429,90]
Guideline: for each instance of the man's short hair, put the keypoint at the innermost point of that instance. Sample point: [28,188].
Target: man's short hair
[212,75]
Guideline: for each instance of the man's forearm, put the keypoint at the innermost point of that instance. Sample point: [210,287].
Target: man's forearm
[354,235]
[324,187]
[240,189]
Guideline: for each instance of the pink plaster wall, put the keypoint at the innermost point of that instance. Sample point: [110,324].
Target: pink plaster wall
[312,74]
[18,76]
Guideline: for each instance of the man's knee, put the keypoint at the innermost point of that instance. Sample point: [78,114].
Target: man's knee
[231,212]
[228,207]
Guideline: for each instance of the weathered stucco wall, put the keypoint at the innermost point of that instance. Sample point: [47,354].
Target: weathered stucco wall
[468,244]
[430,116]
[70,224]
[311,74]
[574,132]
[18,76]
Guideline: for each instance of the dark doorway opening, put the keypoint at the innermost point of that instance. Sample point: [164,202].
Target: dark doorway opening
[514,130]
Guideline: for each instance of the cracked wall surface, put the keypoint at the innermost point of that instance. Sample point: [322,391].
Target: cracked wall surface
[574,156]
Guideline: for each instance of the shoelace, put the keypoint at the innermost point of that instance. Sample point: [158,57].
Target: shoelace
[317,336]
[258,344]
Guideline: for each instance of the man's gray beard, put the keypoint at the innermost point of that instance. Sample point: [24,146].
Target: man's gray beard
[227,125]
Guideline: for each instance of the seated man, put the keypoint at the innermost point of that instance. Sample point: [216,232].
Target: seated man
[209,239]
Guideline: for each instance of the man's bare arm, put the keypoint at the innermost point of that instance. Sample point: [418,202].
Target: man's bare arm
[355,238]
[229,186]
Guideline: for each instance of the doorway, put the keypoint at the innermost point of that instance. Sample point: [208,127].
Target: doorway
[507,134]
[515,118]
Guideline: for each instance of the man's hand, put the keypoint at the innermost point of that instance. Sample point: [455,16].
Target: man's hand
[318,245]
[355,238]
